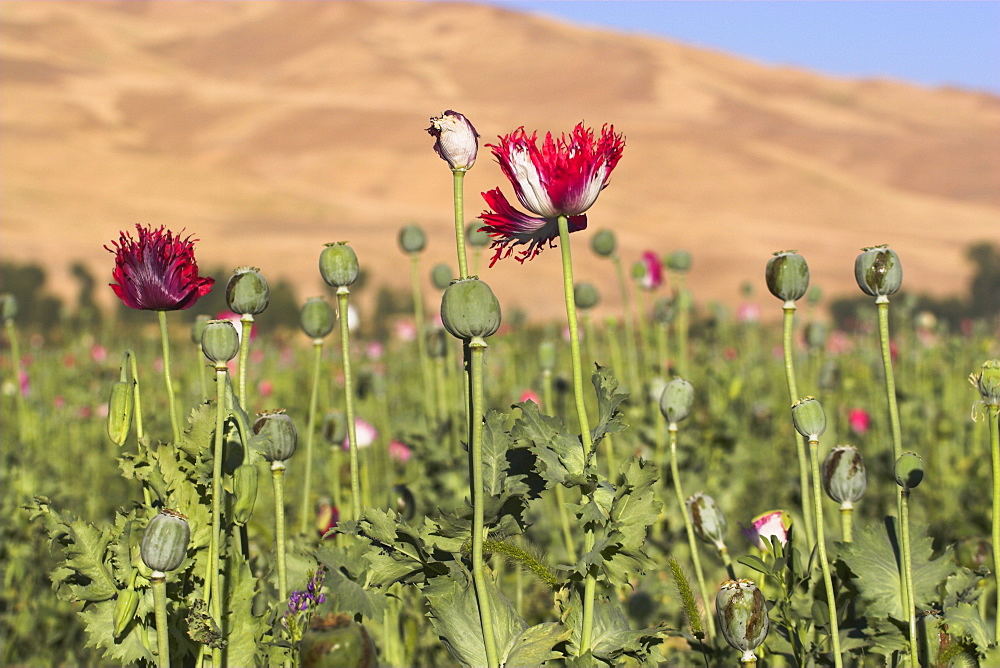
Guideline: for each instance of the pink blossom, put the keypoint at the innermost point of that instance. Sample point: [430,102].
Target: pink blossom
[59,401]
[529,395]
[327,516]
[98,353]
[374,350]
[748,313]
[773,523]
[265,388]
[365,432]
[652,278]
[859,420]
[405,330]
[399,451]
[25,383]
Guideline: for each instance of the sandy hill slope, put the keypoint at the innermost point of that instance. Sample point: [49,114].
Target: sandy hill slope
[269,128]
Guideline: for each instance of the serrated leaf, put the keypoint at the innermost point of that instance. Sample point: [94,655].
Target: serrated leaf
[127,649]
[534,645]
[344,570]
[609,418]
[636,505]
[964,620]
[242,628]
[495,443]
[611,636]
[560,454]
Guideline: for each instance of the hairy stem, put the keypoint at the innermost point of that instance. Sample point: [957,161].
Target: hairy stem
[165,342]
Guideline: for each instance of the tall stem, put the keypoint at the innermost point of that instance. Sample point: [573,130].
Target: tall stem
[692,543]
[846,523]
[246,326]
[824,562]
[590,582]
[343,294]
[278,482]
[911,611]
[458,182]
[159,582]
[793,396]
[564,523]
[213,581]
[165,341]
[310,431]
[477,347]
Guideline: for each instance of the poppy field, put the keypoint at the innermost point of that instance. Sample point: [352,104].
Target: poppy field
[665,487]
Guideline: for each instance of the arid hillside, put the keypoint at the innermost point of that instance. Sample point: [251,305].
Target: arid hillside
[269,128]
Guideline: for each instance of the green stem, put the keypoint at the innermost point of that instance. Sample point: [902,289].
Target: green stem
[824,562]
[793,396]
[165,341]
[343,295]
[140,434]
[418,320]
[629,313]
[994,418]
[246,326]
[458,182]
[310,432]
[564,522]
[278,482]
[692,542]
[160,612]
[846,523]
[911,611]
[663,346]
[477,347]
[727,561]
[212,583]
[590,583]
[202,380]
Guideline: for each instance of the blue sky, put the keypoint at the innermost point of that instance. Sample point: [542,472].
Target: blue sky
[932,43]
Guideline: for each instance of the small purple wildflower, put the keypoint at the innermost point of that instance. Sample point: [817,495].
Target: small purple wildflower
[302,604]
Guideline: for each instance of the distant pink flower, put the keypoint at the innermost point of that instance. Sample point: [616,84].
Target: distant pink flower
[374,350]
[327,516]
[859,420]
[399,451]
[25,383]
[256,355]
[84,412]
[529,395]
[158,365]
[366,434]
[748,313]
[265,388]
[98,353]
[405,330]
[235,319]
[730,353]
[59,401]
[102,409]
[69,360]
[653,276]
[773,523]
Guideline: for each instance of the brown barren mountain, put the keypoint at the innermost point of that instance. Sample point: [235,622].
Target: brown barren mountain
[269,128]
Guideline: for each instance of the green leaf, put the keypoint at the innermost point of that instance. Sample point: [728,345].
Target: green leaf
[243,630]
[609,418]
[560,454]
[534,645]
[964,620]
[127,649]
[636,505]
[612,636]
[345,569]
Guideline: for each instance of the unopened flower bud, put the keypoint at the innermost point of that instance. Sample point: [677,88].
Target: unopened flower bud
[277,435]
[120,408]
[586,296]
[604,243]
[742,612]
[441,276]
[469,309]
[8,306]
[909,470]
[809,418]
[787,276]
[412,239]
[455,139]
[475,235]
[126,604]
[338,264]
[708,521]
[247,292]
[165,542]
[844,477]
[676,400]
[244,492]
[219,341]
[547,355]
[197,327]
[316,318]
[988,382]
[878,272]
[679,260]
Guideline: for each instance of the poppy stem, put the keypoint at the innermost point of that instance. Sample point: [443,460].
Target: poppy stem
[310,431]
[343,294]
[458,187]
[793,396]
[165,341]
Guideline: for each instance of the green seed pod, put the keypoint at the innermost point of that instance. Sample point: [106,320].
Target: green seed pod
[663,310]
[814,295]
[334,428]
[679,260]
[126,604]
[8,306]
[547,355]
[844,477]
[316,318]
[244,492]
[219,341]
[412,239]
[676,400]
[909,470]
[277,434]
[198,327]
[742,612]
[441,276]
[335,641]
[787,276]
[604,243]
[878,272]
[475,235]
[809,418]
[121,405]
[470,309]
[586,296]
[708,521]
[437,343]
[988,382]
[247,292]
[165,542]
[338,265]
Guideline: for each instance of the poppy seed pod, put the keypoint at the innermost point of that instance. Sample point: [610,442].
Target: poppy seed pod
[742,612]
[586,296]
[547,355]
[412,239]
[604,243]
[441,276]
[316,318]
[165,542]
[676,400]
[198,327]
[8,306]
[809,418]
[909,470]
[878,272]
[247,292]
[787,276]
[469,309]
[844,477]
[679,260]
[219,341]
[708,521]
[455,139]
[120,408]
[988,382]
[476,236]
[276,432]
[338,264]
